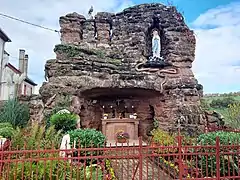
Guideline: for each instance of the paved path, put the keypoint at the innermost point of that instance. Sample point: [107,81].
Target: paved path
[125,168]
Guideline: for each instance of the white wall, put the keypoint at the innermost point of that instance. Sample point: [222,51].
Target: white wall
[29,88]
[2,44]
[5,59]
[8,86]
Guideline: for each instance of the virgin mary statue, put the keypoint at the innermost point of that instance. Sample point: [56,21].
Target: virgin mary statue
[156,45]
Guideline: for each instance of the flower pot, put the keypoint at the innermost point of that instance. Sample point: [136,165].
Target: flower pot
[122,140]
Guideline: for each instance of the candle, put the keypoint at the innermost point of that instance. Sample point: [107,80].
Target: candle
[74,144]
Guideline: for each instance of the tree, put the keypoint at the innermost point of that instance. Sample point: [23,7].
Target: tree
[234,115]
[222,103]
[204,104]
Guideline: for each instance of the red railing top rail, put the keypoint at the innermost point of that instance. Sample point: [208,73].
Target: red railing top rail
[212,128]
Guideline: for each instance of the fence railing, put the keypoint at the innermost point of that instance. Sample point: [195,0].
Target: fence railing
[220,128]
[181,160]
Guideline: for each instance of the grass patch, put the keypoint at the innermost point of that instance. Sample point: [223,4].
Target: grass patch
[75,51]
[116,62]
[224,111]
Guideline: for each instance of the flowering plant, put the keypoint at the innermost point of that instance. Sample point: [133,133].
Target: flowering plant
[122,135]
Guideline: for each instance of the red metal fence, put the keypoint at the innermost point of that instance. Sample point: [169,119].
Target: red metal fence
[183,160]
[220,128]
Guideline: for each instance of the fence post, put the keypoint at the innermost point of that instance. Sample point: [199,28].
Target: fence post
[180,163]
[218,158]
[140,159]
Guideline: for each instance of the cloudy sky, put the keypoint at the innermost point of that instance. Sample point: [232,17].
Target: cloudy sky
[216,24]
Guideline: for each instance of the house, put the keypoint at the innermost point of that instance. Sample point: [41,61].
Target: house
[3,39]
[15,81]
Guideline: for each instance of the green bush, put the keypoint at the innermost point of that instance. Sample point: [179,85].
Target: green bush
[222,103]
[87,138]
[64,121]
[227,163]
[234,115]
[64,102]
[162,138]
[53,170]
[204,104]
[4,125]
[6,130]
[47,115]
[35,137]
[15,113]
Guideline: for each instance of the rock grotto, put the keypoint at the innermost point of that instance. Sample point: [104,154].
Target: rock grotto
[136,62]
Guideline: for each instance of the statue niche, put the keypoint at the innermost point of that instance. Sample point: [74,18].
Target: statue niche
[154,60]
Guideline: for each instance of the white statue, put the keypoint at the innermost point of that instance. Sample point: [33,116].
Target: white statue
[65,144]
[156,44]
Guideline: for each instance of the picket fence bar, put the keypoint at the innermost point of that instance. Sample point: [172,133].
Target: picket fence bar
[183,160]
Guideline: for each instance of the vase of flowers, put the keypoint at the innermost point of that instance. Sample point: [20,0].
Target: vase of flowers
[122,137]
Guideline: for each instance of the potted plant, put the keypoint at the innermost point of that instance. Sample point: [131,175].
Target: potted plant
[122,136]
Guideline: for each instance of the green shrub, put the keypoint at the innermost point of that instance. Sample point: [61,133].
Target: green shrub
[4,125]
[204,104]
[155,123]
[224,137]
[64,102]
[64,121]
[162,137]
[6,130]
[222,103]
[227,163]
[52,170]
[234,115]
[35,137]
[15,113]
[47,115]
[87,138]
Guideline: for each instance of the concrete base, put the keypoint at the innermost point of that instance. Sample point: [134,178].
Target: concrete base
[130,143]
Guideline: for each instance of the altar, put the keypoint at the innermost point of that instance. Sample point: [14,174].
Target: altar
[119,115]
[111,126]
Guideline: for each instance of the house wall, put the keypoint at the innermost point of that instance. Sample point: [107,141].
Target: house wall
[5,59]
[27,89]
[2,44]
[8,86]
